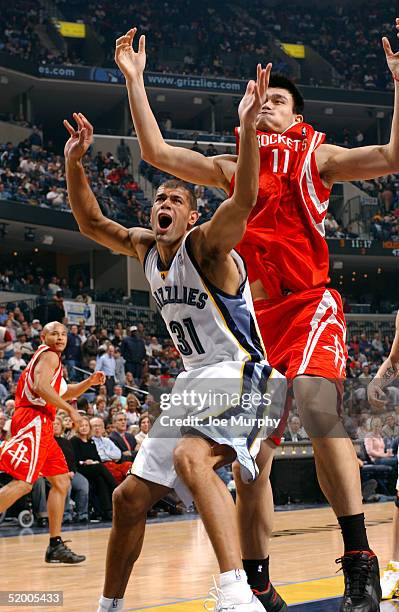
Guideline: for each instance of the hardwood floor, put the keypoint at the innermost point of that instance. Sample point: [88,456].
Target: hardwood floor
[177,563]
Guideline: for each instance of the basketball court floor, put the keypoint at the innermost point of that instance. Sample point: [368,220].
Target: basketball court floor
[175,570]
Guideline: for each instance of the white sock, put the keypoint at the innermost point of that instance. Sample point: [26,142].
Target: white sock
[235,587]
[110,605]
[395,564]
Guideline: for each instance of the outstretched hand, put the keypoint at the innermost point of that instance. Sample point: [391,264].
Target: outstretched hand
[255,96]
[80,139]
[130,62]
[392,58]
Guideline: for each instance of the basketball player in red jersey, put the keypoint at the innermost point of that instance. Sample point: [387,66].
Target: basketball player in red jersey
[301,321]
[32,450]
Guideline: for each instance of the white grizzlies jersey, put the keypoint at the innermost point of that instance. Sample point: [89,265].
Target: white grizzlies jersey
[207,325]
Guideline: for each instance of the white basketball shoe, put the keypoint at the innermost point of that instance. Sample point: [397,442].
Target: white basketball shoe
[217,602]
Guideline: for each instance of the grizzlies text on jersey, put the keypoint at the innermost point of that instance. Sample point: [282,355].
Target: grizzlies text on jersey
[207,325]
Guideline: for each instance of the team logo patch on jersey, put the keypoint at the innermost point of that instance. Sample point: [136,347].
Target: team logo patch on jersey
[164,275]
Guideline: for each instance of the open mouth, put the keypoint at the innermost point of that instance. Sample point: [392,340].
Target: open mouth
[164,220]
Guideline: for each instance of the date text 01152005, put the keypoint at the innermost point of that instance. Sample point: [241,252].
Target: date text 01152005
[31,598]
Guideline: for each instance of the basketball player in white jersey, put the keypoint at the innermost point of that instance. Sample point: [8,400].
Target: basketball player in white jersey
[385,376]
[201,288]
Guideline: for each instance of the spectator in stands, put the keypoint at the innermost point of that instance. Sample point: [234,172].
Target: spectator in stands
[153,348]
[100,407]
[377,343]
[73,353]
[375,446]
[67,426]
[363,429]
[390,429]
[3,315]
[134,352]
[124,440]
[102,390]
[107,364]
[3,430]
[145,424]
[123,154]
[35,138]
[23,345]
[294,431]
[3,393]
[133,410]
[118,395]
[7,335]
[36,328]
[79,489]
[129,383]
[117,337]
[119,367]
[211,150]
[109,453]
[331,225]
[89,464]
[17,364]
[90,349]
[56,310]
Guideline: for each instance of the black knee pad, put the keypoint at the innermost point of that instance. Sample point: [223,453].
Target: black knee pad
[396,500]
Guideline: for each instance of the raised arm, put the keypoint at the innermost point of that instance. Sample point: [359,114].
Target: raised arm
[183,163]
[386,374]
[227,226]
[44,371]
[340,164]
[86,210]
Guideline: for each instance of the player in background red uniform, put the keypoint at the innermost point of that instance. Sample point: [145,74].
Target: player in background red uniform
[301,321]
[32,450]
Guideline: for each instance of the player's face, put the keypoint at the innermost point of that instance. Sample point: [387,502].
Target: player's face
[56,337]
[277,113]
[171,215]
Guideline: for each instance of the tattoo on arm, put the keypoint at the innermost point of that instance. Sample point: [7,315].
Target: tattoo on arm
[388,376]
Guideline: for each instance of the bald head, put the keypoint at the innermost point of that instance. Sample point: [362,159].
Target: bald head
[97,427]
[49,327]
[55,335]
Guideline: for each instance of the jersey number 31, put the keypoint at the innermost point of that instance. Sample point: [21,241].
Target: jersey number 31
[185,347]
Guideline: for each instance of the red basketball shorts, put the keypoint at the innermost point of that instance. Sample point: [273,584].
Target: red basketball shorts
[304,333]
[32,450]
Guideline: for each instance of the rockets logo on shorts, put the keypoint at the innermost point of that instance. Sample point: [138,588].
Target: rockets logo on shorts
[339,353]
[24,448]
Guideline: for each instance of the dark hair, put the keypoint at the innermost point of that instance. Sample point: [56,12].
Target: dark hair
[282,82]
[82,403]
[175,183]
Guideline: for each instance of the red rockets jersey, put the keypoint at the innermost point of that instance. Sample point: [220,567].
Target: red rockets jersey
[25,397]
[284,245]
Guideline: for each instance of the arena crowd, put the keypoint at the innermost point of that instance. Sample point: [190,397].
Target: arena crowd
[139,367]
[206,39]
